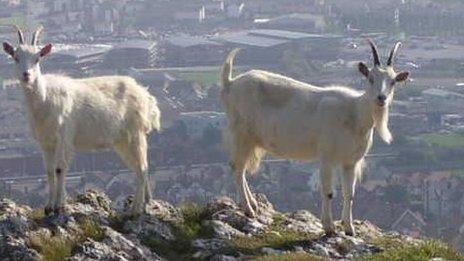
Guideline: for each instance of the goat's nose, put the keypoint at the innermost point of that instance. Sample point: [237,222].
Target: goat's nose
[26,74]
[382,97]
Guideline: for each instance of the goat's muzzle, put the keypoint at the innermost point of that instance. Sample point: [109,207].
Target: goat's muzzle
[381,100]
[26,77]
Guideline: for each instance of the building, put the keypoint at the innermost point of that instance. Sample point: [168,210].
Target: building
[199,121]
[410,223]
[135,53]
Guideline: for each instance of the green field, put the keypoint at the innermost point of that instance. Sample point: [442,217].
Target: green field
[204,78]
[450,140]
[14,19]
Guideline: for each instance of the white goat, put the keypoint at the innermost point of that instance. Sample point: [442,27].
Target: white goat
[270,113]
[68,115]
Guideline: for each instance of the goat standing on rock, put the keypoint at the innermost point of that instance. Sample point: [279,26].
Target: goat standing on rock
[68,115]
[272,113]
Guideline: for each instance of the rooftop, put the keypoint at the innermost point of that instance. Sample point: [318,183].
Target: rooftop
[246,39]
[442,93]
[283,34]
[135,44]
[79,51]
[189,41]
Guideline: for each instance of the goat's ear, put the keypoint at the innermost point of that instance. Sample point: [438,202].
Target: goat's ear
[8,48]
[402,76]
[363,69]
[46,50]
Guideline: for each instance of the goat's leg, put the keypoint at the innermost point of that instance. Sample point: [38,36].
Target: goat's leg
[251,197]
[148,193]
[327,196]
[60,172]
[241,152]
[242,184]
[134,154]
[348,187]
[49,162]
[63,155]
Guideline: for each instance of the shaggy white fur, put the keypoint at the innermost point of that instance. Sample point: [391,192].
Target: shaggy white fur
[68,115]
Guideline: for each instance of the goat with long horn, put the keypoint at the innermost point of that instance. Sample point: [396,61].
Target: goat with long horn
[20,34]
[393,54]
[69,115]
[375,53]
[35,36]
[271,113]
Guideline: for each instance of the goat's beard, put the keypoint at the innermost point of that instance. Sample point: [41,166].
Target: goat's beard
[380,116]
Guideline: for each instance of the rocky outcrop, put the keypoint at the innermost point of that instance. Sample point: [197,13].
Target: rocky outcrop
[92,229]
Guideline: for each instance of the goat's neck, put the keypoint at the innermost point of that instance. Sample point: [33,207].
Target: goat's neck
[36,92]
[371,116]
[36,96]
[365,113]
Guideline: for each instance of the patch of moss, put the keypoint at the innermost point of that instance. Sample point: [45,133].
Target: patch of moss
[36,214]
[53,248]
[193,216]
[117,222]
[185,231]
[90,229]
[277,237]
[397,251]
[299,256]
[58,248]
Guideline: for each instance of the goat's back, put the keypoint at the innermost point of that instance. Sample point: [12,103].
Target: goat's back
[104,109]
[282,115]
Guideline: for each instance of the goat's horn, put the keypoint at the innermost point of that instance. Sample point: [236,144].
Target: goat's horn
[35,36]
[393,53]
[20,34]
[375,54]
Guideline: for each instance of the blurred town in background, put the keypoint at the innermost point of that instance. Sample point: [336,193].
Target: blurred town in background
[176,49]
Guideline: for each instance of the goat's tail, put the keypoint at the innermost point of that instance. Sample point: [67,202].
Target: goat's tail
[227,68]
[154,114]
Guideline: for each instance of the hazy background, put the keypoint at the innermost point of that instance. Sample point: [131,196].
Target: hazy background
[176,48]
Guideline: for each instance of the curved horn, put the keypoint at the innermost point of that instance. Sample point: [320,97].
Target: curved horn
[35,36]
[393,53]
[375,54]
[20,34]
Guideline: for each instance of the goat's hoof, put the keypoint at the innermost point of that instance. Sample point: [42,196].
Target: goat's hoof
[254,204]
[249,212]
[58,211]
[330,233]
[350,233]
[48,210]
[136,213]
[348,228]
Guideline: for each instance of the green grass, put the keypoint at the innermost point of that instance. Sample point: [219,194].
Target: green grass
[398,250]
[57,248]
[291,257]
[90,229]
[204,78]
[450,140]
[184,232]
[16,19]
[277,237]
[53,248]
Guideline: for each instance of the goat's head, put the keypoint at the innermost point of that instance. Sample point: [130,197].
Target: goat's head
[382,79]
[27,57]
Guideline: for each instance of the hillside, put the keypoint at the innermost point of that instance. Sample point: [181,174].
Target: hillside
[95,230]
